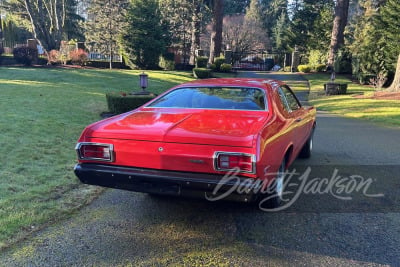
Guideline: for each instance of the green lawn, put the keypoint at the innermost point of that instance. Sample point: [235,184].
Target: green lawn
[383,112]
[43,111]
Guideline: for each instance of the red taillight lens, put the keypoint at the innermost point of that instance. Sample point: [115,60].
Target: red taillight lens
[230,161]
[94,151]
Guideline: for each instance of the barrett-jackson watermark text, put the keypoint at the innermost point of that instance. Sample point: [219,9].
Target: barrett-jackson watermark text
[295,184]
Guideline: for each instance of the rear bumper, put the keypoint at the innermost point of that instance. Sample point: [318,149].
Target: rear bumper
[164,182]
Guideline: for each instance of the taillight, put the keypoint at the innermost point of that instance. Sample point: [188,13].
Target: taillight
[95,151]
[226,161]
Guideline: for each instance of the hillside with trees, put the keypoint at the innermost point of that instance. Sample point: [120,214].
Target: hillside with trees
[358,37]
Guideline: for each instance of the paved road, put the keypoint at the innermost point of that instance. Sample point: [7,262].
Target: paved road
[131,229]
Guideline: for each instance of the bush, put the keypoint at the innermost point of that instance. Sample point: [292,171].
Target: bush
[201,73]
[287,69]
[218,61]
[54,57]
[320,68]
[79,57]
[167,61]
[201,62]
[213,67]
[25,55]
[304,68]
[123,102]
[226,67]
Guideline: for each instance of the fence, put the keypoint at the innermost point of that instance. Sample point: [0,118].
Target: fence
[9,46]
[95,56]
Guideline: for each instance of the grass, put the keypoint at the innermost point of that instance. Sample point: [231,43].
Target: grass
[382,112]
[43,111]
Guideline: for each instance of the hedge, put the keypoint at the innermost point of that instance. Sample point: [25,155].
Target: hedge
[304,68]
[320,68]
[25,55]
[123,102]
[201,62]
[218,61]
[202,73]
[226,67]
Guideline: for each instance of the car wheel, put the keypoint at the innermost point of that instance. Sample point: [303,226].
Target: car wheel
[305,152]
[273,199]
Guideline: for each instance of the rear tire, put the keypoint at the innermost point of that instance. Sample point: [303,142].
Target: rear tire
[274,199]
[305,152]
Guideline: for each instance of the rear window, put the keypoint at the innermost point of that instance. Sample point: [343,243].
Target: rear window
[235,98]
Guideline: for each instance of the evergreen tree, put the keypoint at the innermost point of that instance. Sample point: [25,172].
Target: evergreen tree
[388,22]
[375,44]
[282,34]
[145,37]
[235,7]
[103,26]
[339,24]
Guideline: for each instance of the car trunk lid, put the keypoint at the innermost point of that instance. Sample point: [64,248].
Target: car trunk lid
[210,127]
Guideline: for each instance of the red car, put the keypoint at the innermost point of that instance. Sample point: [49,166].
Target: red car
[234,137]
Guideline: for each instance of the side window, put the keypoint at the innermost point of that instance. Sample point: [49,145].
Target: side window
[283,100]
[291,98]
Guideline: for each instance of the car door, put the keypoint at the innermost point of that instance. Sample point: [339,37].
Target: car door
[297,116]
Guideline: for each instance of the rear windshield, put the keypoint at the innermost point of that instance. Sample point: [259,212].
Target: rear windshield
[235,98]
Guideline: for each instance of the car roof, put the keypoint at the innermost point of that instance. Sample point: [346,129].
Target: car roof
[234,82]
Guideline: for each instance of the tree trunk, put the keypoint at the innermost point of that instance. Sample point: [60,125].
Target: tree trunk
[216,33]
[196,24]
[339,24]
[395,86]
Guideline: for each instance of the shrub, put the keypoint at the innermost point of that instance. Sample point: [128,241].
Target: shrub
[167,61]
[201,62]
[320,68]
[226,67]
[201,73]
[79,57]
[54,57]
[287,69]
[25,55]
[304,68]
[218,61]
[213,67]
[123,102]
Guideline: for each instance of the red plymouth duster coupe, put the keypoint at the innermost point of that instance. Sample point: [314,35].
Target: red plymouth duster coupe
[206,137]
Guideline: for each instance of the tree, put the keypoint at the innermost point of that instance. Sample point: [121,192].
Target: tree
[282,35]
[47,18]
[339,24]
[103,27]
[216,32]
[243,35]
[375,45]
[395,86]
[195,30]
[145,37]
[235,7]
[388,22]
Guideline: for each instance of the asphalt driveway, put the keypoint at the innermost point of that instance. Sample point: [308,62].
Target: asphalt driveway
[122,228]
